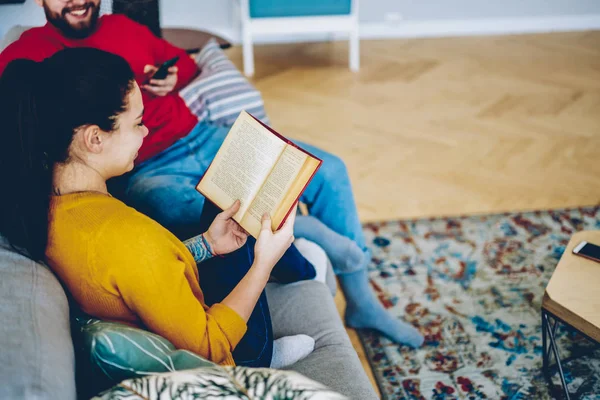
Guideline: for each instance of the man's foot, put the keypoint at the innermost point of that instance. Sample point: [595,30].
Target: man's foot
[365,311]
[376,317]
[289,350]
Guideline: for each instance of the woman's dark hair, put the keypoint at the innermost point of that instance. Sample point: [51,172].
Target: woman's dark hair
[42,104]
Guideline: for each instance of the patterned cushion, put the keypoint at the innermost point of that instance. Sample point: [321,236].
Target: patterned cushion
[220,92]
[222,383]
[120,352]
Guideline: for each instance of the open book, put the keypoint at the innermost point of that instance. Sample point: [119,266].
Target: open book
[262,169]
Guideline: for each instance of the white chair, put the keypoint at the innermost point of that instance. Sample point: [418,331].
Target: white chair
[339,23]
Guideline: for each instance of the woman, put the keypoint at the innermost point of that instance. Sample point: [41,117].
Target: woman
[74,121]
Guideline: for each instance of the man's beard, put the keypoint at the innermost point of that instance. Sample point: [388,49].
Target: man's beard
[76,32]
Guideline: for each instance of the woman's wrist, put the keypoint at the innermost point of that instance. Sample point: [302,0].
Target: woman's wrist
[199,248]
[209,243]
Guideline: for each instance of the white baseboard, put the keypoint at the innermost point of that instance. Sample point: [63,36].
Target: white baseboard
[441,28]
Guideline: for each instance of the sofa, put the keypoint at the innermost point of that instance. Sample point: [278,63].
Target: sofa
[37,357]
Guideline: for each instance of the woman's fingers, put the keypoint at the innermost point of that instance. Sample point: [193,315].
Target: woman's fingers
[289,222]
[266,222]
[230,212]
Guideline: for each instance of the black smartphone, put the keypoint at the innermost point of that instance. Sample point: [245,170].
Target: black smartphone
[588,250]
[163,70]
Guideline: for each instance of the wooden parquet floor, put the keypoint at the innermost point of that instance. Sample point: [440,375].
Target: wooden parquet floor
[434,127]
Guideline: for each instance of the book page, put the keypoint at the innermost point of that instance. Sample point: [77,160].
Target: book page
[306,172]
[242,165]
[275,189]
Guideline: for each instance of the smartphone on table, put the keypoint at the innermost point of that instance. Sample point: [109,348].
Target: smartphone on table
[162,71]
[588,250]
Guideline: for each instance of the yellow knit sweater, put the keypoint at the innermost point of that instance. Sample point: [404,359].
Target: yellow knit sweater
[120,265]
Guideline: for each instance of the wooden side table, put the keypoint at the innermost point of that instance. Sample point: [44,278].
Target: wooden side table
[572,298]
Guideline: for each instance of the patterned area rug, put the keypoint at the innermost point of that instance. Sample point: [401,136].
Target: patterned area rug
[474,286]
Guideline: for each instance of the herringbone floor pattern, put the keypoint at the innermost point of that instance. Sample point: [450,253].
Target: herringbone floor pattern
[433,127]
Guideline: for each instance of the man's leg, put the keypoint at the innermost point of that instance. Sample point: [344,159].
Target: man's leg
[164,187]
[330,200]
[335,226]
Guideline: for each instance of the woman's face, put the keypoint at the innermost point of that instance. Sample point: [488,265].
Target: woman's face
[121,146]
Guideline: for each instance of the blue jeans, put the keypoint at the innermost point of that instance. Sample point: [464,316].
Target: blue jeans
[163,187]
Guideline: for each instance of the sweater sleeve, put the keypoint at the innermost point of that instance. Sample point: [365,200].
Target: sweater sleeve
[151,278]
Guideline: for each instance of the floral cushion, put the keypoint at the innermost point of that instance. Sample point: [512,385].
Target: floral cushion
[221,383]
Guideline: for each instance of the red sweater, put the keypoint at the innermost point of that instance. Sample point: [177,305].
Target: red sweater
[167,117]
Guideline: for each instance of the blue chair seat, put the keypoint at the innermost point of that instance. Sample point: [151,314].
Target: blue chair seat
[303,8]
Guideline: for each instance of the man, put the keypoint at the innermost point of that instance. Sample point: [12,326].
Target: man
[179,149]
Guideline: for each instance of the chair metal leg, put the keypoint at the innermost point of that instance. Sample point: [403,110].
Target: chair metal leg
[554,347]
[548,349]
[354,37]
[247,43]
[354,51]
[545,354]
[248,50]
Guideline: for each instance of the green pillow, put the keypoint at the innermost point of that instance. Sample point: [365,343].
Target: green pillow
[121,352]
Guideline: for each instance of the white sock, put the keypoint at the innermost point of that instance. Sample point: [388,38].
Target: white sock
[291,349]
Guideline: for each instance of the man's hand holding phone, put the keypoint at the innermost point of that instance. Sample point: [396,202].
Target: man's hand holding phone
[160,87]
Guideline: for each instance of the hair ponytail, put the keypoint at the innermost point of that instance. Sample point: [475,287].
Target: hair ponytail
[25,171]
[41,107]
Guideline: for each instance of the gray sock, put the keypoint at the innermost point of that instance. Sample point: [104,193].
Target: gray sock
[344,253]
[291,349]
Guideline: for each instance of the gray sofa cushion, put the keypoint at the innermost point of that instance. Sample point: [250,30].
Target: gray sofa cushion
[36,352]
[307,307]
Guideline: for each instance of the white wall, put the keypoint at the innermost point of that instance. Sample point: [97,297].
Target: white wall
[417,17]
[427,10]
[212,15]
[20,14]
